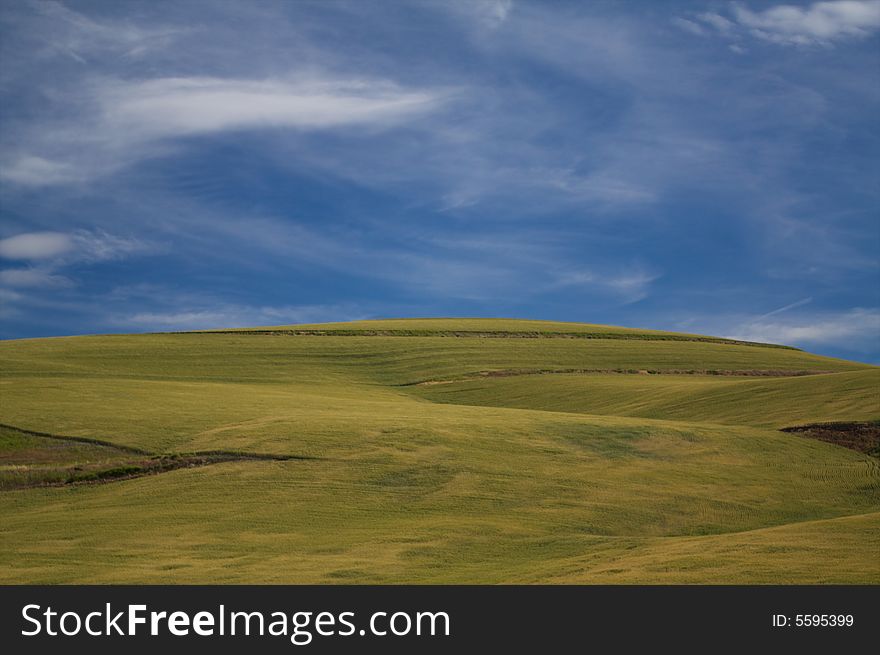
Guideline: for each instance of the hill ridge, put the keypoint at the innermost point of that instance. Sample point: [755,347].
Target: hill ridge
[485,328]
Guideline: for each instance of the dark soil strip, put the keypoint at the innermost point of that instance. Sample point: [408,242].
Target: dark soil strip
[488,335]
[506,373]
[863,437]
[94,442]
[140,464]
[152,466]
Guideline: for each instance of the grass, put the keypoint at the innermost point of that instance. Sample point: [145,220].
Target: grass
[763,402]
[30,460]
[530,478]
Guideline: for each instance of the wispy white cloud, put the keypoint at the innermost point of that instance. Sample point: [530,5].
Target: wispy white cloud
[78,36]
[32,170]
[156,307]
[785,308]
[91,246]
[479,16]
[819,23]
[498,10]
[856,329]
[629,286]
[483,147]
[689,26]
[36,245]
[172,107]
[34,277]
[717,21]
[121,122]
[225,315]
[69,247]
[49,253]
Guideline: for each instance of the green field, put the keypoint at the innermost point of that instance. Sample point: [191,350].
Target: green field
[432,451]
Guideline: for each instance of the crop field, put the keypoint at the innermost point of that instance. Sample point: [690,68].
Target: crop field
[435,451]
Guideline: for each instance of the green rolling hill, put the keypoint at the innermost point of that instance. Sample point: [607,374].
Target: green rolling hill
[433,451]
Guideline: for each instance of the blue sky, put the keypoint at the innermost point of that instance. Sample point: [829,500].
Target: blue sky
[710,167]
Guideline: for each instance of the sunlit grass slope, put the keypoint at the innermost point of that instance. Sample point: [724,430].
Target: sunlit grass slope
[557,477]
[737,400]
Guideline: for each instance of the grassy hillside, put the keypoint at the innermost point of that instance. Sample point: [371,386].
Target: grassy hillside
[736,400]
[496,471]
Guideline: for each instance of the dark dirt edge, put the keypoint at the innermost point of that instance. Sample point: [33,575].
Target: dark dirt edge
[86,440]
[486,335]
[158,462]
[504,373]
[860,436]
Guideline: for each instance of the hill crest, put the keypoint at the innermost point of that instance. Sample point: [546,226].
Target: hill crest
[487,328]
